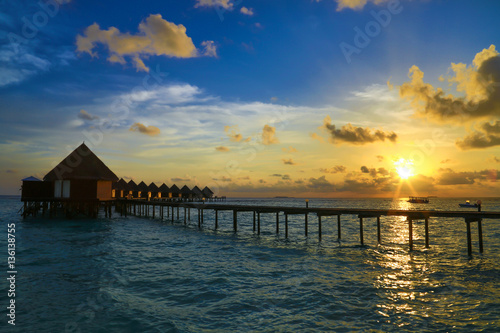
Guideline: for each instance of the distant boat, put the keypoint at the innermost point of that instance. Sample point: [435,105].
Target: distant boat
[418,200]
[467,204]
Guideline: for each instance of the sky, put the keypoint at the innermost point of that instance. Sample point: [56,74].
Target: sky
[303,98]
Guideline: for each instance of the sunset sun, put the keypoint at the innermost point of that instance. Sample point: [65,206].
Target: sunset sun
[404,168]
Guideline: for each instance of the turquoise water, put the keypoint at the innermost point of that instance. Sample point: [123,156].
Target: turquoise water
[145,275]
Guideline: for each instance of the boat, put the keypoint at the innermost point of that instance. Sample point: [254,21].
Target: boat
[418,200]
[467,204]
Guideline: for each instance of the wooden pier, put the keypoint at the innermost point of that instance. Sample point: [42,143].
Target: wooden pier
[142,208]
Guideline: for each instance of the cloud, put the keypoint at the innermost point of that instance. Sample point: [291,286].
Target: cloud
[355,135]
[449,177]
[149,130]
[86,116]
[380,158]
[210,48]
[222,149]
[334,169]
[269,135]
[320,183]
[289,150]
[356,4]
[20,63]
[495,159]
[315,136]
[262,181]
[226,4]
[445,161]
[288,161]
[479,83]
[283,177]
[487,135]
[247,11]
[10,171]
[232,133]
[166,95]
[179,179]
[223,179]
[156,36]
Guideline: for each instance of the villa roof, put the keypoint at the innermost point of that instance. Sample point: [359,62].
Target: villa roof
[174,189]
[207,192]
[153,188]
[82,163]
[186,190]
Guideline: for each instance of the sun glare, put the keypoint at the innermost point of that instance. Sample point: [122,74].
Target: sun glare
[404,168]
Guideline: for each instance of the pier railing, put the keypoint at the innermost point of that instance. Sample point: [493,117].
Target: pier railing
[141,208]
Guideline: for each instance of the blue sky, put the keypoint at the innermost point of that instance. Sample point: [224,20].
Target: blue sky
[162,89]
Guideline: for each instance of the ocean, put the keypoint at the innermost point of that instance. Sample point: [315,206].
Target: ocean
[131,274]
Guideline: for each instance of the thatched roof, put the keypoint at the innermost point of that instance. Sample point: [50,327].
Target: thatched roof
[142,187]
[186,190]
[164,188]
[31,179]
[197,192]
[207,192]
[132,186]
[153,188]
[120,185]
[82,163]
[174,189]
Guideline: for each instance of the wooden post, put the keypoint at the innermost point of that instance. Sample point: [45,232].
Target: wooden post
[469,240]
[199,219]
[254,221]
[202,215]
[235,220]
[480,235]
[134,209]
[338,227]
[277,222]
[410,233]
[426,232]
[153,211]
[305,226]
[286,225]
[319,227]
[258,223]
[216,219]
[177,212]
[361,231]
[189,214]
[378,230]
[172,213]
[185,216]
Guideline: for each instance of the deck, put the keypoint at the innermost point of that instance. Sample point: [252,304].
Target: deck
[142,208]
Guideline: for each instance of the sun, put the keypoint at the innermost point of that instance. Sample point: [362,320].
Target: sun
[404,168]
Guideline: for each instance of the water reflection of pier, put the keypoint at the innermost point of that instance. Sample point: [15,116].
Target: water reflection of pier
[157,208]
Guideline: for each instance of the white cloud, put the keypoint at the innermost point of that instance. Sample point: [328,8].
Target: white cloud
[247,11]
[18,66]
[226,4]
